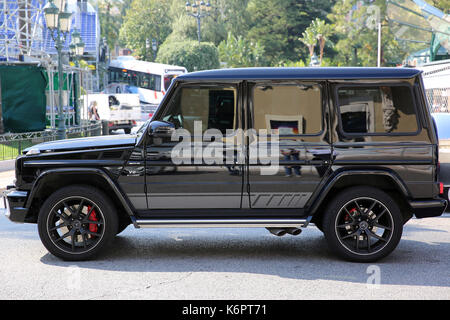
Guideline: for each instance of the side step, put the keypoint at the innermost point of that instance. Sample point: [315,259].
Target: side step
[221,223]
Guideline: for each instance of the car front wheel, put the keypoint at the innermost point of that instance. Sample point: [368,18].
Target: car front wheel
[363,224]
[77,222]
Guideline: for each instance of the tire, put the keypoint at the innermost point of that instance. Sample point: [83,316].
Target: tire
[76,222]
[362,224]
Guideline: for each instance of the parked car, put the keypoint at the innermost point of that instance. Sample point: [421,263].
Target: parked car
[353,151]
[116,111]
[442,121]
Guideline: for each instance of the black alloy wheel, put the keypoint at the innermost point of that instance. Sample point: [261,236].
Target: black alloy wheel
[363,224]
[76,222]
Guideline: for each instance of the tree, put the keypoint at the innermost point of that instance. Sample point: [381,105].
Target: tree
[443,5]
[309,39]
[240,52]
[277,24]
[110,20]
[145,20]
[356,30]
[189,54]
[225,16]
[110,14]
[322,32]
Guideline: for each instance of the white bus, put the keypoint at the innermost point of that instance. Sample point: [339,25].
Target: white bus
[149,80]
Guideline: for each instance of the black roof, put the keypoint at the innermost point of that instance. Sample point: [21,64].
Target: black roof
[301,73]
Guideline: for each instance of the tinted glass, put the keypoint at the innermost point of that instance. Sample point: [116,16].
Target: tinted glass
[377,110]
[288,109]
[215,107]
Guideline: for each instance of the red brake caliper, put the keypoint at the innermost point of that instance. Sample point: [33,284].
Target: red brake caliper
[347,217]
[93,217]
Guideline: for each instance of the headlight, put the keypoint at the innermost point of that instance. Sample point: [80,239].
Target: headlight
[33,152]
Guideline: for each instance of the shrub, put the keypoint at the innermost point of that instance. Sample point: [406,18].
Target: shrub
[189,54]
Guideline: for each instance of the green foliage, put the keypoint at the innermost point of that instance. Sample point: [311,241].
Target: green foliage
[110,15]
[189,54]
[320,31]
[239,52]
[226,16]
[258,32]
[309,39]
[290,64]
[110,20]
[278,24]
[357,35]
[443,5]
[145,19]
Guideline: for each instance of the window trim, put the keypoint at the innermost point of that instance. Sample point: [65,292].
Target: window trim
[379,84]
[323,94]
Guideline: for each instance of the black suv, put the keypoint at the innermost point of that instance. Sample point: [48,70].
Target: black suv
[352,150]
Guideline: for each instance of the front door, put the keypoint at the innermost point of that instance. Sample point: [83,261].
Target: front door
[295,156]
[198,167]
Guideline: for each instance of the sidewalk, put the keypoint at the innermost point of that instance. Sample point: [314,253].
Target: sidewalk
[7,165]
[6,178]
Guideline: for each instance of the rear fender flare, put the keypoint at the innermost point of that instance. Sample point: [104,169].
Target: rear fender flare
[333,180]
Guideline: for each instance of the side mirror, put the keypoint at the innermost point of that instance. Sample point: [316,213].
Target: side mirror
[161,129]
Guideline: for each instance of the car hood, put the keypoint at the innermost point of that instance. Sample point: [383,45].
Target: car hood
[112,141]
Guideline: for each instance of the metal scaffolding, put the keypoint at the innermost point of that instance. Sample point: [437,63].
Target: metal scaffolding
[25,39]
[21,30]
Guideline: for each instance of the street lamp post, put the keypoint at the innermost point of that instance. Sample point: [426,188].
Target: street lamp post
[58,21]
[198,9]
[154,48]
[77,45]
[76,48]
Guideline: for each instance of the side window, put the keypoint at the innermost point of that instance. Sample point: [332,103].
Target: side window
[291,109]
[214,107]
[132,78]
[145,80]
[376,110]
[156,82]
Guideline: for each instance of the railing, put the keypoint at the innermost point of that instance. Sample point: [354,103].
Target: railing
[438,99]
[12,144]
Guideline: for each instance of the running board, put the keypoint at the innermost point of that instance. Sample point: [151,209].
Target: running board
[221,223]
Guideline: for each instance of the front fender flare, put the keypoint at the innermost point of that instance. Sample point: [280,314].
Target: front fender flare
[40,181]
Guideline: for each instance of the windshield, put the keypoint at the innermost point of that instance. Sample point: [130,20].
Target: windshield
[142,128]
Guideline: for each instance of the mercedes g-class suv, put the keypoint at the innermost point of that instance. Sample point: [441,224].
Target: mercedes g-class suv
[353,151]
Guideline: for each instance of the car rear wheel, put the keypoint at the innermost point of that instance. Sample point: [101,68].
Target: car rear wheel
[363,224]
[77,222]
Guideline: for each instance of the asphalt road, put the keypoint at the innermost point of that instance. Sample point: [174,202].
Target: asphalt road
[226,264]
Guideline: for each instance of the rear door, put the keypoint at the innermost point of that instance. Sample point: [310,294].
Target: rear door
[295,156]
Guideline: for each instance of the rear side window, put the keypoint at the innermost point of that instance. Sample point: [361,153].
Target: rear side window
[288,109]
[376,110]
